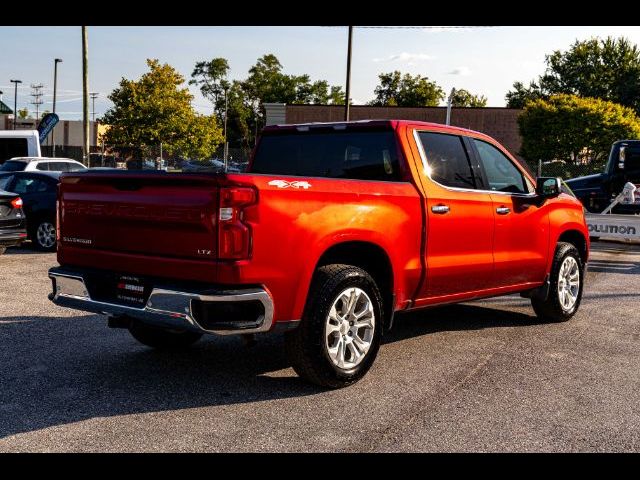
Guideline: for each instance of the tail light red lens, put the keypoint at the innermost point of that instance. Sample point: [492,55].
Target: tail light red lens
[17,202]
[234,235]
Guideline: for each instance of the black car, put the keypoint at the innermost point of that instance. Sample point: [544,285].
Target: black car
[13,226]
[38,192]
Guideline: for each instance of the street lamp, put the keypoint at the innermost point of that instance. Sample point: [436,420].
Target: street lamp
[55,87]
[15,102]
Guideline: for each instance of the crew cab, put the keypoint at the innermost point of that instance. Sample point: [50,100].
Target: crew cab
[334,229]
[597,191]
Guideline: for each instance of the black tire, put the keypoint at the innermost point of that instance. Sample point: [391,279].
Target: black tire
[551,309]
[2,250]
[33,235]
[161,338]
[306,346]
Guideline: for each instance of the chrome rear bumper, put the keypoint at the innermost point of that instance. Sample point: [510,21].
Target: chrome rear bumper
[164,307]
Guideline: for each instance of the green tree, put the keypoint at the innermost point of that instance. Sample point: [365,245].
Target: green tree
[266,82]
[157,109]
[23,113]
[607,69]
[336,95]
[211,78]
[520,95]
[577,131]
[406,90]
[463,98]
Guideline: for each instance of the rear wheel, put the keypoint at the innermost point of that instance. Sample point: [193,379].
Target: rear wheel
[567,281]
[2,250]
[339,336]
[162,338]
[44,236]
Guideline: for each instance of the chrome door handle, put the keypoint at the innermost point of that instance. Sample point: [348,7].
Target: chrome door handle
[440,209]
[503,210]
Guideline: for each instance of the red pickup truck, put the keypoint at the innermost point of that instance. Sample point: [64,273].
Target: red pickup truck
[336,227]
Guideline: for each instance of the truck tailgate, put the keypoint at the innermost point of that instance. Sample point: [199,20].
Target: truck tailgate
[151,219]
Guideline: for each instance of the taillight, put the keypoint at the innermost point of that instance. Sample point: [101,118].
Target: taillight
[234,235]
[17,202]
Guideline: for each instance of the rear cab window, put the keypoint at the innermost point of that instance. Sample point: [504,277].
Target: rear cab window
[13,166]
[363,154]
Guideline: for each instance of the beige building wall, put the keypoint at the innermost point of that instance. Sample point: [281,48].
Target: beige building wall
[66,132]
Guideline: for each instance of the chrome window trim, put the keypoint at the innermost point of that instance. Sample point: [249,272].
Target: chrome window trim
[423,158]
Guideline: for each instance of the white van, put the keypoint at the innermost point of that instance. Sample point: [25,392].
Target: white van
[19,143]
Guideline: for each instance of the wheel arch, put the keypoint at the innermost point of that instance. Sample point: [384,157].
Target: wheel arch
[578,240]
[372,258]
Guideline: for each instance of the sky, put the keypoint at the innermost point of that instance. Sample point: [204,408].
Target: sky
[483,60]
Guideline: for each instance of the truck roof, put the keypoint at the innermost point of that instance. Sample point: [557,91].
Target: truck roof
[373,123]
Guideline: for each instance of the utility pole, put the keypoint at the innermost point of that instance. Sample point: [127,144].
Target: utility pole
[449,103]
[93,95]
[37,98]
[85,94]
[348,89]
[225,153]
[15,102]
[56,61]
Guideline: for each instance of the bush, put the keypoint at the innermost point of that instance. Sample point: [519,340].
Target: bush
[574,130]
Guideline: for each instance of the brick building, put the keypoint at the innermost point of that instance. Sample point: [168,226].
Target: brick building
[497,122]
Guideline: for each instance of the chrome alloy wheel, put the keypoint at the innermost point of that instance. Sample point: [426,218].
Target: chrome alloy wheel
[46,235]
[568,283]
[349,328]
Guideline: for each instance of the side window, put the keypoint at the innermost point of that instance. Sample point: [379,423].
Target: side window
[74,167]
[59,166]
[447,160]
[502,174]
[23,185]
[42,166]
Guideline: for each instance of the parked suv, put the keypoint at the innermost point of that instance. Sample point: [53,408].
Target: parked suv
[335,228]
[46,164]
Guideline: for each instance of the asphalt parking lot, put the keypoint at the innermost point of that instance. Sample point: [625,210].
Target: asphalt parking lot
[483,376]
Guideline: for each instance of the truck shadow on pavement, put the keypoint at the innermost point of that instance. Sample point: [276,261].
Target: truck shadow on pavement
[458,317]
[60,370]
[614,266]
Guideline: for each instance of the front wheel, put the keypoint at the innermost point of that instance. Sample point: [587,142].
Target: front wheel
[2,250]
[339,336]
[567,282]
[162,338]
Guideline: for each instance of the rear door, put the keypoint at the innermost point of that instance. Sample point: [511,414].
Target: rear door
[521,235]
[459,253]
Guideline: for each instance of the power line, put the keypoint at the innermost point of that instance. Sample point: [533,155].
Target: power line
[417,27]
[36,93]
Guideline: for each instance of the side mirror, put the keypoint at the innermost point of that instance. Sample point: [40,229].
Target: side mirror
[548,187]
[621,156]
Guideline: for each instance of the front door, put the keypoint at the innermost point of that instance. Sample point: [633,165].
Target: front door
[459,250]
[521,235]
